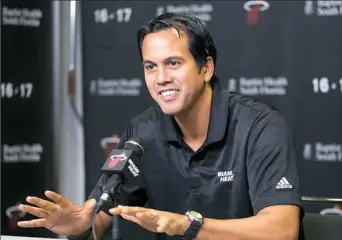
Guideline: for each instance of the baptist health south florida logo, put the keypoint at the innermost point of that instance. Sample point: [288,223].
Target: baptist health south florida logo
[15,16]
[254,86]
[115,87]
[323,152]
[22,152]
[323,8]
[203,11]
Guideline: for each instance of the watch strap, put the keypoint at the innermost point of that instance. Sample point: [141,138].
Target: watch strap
[193,230]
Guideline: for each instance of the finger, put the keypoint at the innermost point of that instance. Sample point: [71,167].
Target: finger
[147,216]
[116,210]
[38,212]
[127,210]
[46,205]
[133,210]
[132,219]
[160,229]
[162,224]
[60,200]
[32,224]
[90,205]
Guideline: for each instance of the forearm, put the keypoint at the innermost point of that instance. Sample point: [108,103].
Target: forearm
[261,227]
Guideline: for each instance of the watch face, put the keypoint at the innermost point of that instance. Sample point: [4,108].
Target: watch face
[195,214]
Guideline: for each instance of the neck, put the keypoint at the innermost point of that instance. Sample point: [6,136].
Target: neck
[194,122]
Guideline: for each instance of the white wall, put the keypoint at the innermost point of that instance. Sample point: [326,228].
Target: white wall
[68,129]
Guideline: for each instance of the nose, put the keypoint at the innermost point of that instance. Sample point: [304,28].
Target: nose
[163,77]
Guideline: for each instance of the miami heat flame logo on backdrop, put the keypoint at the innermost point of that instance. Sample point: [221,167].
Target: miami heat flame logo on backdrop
[254,7]
[109,143]
[14,215]
[115,159]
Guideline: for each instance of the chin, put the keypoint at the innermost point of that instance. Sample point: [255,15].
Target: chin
[170,110]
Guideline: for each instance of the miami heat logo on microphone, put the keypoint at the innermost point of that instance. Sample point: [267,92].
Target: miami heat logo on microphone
[115,159]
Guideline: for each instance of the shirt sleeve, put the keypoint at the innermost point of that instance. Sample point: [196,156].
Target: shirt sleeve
[130,195]
[271,165]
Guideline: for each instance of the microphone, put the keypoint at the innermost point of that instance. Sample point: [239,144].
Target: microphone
[123,166]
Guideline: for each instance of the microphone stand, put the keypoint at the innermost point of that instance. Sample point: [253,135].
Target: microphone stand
[116,219]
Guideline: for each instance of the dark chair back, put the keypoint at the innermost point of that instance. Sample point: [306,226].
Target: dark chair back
[322,227]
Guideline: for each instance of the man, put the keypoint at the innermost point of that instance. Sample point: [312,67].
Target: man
[217,165]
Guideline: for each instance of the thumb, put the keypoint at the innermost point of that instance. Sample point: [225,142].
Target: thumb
[90,205]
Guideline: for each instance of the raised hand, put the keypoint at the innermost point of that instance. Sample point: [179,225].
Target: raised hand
[60,216]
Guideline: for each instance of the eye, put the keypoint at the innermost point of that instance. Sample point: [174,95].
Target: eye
[173,64]
[149,66]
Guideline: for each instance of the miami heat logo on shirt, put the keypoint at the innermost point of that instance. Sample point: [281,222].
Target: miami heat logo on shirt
[115,159]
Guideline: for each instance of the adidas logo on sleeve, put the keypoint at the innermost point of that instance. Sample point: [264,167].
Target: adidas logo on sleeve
[283,184]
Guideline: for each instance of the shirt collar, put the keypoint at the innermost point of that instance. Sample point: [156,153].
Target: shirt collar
[217,122]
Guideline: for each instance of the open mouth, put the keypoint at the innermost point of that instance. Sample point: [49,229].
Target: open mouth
[169,95]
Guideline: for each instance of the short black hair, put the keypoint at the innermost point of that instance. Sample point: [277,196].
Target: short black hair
[201,44]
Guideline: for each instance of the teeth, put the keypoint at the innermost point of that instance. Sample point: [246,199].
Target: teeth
[168,93]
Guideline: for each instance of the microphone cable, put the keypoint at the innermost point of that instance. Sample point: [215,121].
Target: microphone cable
[93,225]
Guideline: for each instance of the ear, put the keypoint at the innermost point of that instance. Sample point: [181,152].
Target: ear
[208,69]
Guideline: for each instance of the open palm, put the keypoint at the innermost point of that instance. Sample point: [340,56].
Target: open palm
[60,216]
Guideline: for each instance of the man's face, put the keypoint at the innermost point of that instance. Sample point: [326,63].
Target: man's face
[171,73]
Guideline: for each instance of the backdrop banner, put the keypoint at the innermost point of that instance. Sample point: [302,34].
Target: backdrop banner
[26,110]
[286,53]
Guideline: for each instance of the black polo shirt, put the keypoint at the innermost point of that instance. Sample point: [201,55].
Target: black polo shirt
[247,162]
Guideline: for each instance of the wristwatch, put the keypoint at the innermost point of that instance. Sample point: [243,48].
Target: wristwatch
[196,220]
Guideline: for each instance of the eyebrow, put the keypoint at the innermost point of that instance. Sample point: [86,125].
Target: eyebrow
[165,60]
